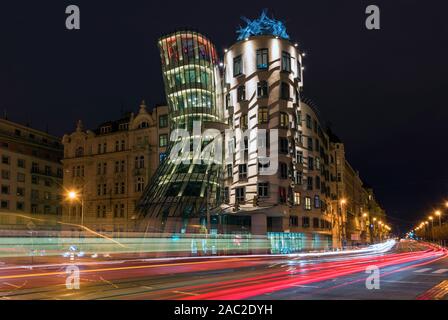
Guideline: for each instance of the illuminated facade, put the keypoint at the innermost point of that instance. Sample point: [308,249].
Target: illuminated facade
[185,185]
[30,177]
[109,167]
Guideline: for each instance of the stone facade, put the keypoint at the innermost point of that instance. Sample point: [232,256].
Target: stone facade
[109,168]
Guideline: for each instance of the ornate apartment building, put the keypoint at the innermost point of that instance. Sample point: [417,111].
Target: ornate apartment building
[31,176]
[107,169]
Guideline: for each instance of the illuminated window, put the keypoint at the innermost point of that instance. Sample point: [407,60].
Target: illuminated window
[307,203]
[316,201]
[297,198]
[262,59]
[263,115]
[284,120]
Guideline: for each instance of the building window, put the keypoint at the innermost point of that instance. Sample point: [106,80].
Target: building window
[283,170]
[318,182]
[5,159]
[286,61]
[34,179]
[309,123]
[297,198]
[226,195]
[5,174]
[299,71]
[4,204]
[117,146]
[309,183]
[122,210]
[262,59]
[35,194]
[241,93]
[262,89]
[316,201]
[299,156]
[163,121]
[5,189]
[284,120]
[20,192]
[237,66]
[284,145]
[310,143]
[299,178]
[310,163]
[79,152]
[35,167]
[229,170]
[263,189]
[242,171]
[163,140]
[282,195]
[263,115]
[293,221]
[140,162]
[284,91]
[307,203]
[34,208]
[21,163]
[20,206]
[244,122]
[240,194]
[315,223]
[140,184]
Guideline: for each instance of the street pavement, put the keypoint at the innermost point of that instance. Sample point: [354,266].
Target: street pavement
[409,271]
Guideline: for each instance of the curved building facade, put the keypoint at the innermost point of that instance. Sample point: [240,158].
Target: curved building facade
[185,184]
[262,89]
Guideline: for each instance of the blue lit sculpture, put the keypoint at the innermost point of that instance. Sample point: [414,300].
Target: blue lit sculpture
[262,26]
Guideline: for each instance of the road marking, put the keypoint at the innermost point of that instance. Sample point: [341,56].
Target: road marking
[423,270]
[441,271]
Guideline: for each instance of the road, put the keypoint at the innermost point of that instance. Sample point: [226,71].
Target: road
[410,270]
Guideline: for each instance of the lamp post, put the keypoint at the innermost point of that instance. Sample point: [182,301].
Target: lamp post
[432,227]
[343,223]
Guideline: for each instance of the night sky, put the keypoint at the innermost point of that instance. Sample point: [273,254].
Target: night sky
[383,91]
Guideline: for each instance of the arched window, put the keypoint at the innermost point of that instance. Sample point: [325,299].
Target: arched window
[79,152]
[143,125]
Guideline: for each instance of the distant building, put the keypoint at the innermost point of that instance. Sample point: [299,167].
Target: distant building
[109,167]
[31,177]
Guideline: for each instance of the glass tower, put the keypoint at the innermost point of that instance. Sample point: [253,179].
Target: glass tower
[183,188]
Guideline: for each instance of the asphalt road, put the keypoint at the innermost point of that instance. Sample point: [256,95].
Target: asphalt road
[409,271]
